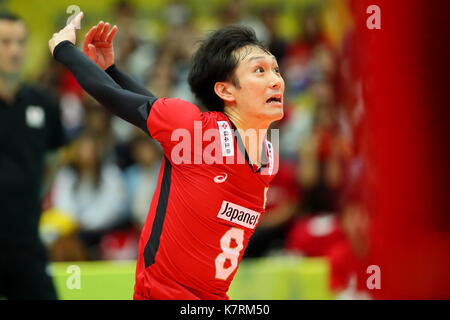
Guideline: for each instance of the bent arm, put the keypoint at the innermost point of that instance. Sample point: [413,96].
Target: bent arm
[127,82]
[130,106]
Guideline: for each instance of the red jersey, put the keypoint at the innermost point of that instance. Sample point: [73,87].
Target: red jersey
[206,207]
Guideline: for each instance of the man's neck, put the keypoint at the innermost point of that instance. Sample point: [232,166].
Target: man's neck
[9,85]
[253,134]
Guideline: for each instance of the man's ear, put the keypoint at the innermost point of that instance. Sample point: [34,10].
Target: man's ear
[225,91]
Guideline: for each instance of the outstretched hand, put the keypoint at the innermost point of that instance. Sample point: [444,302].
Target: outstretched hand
[98,44]
[67,33]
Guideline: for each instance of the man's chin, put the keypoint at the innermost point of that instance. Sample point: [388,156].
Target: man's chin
[275,116]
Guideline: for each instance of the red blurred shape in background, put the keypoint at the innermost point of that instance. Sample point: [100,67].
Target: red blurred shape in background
[405,68]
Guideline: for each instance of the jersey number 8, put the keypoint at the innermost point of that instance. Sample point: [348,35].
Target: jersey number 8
[229,253]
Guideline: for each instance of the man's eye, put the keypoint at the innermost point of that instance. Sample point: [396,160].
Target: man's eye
[277,70]
[259,70]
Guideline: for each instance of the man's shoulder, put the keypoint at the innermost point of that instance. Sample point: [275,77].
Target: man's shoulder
[175,109]
[214,119]
[174,102]
[180,103]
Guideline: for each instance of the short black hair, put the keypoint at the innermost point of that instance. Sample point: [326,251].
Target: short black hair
[6,15]
[215,61]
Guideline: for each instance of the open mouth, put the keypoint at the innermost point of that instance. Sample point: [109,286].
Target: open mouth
[274,100]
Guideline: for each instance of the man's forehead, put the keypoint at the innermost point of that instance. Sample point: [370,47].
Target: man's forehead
[258,57]
[250,53]
[8,26]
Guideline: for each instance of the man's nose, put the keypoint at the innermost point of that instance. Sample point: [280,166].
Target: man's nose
[16,48]
[276,81]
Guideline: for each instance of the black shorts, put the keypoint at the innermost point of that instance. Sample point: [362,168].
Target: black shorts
[25,273]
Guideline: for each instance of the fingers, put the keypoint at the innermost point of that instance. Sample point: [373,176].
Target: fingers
[100,36]
[104,32]
[99,32]
[112,34]
[102,44]
[88,38]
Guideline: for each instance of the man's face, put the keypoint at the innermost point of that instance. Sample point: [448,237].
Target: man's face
[13,36]
[260,89]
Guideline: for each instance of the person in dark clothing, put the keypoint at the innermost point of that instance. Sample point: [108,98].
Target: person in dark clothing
[30,126]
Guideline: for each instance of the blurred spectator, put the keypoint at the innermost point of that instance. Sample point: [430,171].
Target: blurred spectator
[142,178]
[277,45]
[169,77]
[97,123]
[237,12]
[321,163]
[91,192]
[63,85]
[310,74]
[119,244]
[135,51]
[314,235]
[347,257]
[300,66]
[342,240]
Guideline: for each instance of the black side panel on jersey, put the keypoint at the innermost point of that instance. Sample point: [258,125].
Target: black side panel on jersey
[153,243]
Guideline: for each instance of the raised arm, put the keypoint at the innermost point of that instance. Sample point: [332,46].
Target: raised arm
[98,46]
[131,107]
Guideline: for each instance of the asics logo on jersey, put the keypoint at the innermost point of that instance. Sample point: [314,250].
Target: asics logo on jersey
[220,178]
[237,214]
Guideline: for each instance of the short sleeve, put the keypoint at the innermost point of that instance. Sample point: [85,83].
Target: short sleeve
[172,120]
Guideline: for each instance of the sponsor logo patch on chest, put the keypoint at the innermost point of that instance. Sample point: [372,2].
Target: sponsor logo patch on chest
[239,215]
[226,138]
